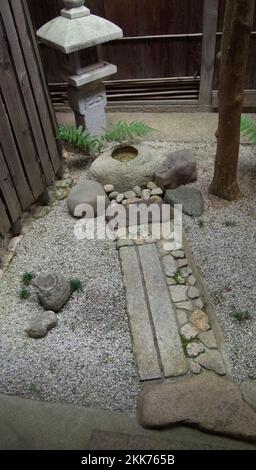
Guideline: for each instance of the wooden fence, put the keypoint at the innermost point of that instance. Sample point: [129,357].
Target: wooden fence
[29,155]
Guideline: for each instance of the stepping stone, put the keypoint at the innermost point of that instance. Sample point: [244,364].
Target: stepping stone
[188,331]
[208,339]
[200,320]
[208,402]
[139,320]
[248,390]
[193,292]
[170,265]
[178,293]
[212,360]
[194,349]
[190,198]
[163,316]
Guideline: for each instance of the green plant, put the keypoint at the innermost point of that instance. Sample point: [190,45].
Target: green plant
[26,278]
[248,128]
[201,221]
[178,277]
[81,138]
[24,293]
[75,284]
[241,315]
[123,131]
[230,222]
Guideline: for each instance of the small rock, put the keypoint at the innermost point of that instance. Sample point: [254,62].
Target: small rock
[193,292]
[132,200]
[199,304]
[64,183]
[182,263]
[138,191]
[113,195]
[41,324]
[200,320]
[124,202]
[195,368]
[155,199]
[146,194]
[178,168]
[208,339]
[191,280]
[109,188]
[185,305]
[61,194]
[171,281]
[121,243]
[119,198]
[181,317]
[129,194]
[212,360]
[177,254]
[53,290]
[188,332]
[194,349]
[157,192]
[86,192]
[185,272]
[178,293]
[170,265]
[13,244]
[151,185]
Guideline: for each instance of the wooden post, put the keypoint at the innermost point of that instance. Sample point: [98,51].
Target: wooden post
[210,23]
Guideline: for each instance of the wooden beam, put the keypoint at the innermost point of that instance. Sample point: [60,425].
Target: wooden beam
[210,22]
[249,99]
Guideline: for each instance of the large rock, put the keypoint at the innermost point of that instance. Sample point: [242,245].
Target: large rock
[177,169]
[248,390]
[211,403]
[53,290]
[41,324]
[190,198]
[126,175]
[86,192]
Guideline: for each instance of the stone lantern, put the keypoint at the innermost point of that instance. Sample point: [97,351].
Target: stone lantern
[72,32]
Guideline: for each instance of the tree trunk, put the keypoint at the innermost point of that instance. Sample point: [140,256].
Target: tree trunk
[234,53]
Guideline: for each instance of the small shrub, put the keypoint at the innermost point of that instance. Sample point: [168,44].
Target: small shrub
[248,128]
[27,278]
[201,222]
[75,284]
[123,131]
[230,223]
[81,138]
[241,315]
[24,293]
[178,277]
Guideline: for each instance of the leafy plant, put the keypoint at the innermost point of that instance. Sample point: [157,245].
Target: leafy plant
[178,277]
[230,223]
[241,315]
[24,293]
[248,128]
[123,131]
[79,137]
[75,284]
[26,278]
[201,221]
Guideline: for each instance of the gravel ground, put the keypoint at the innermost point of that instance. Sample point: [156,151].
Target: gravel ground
[88,358]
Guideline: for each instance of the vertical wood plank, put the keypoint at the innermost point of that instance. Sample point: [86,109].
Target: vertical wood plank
[5,223]
[14,160]
[26,91]
[210,21]
[8,190]
[32,62]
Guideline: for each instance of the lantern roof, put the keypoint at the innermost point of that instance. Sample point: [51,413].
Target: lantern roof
[77,29]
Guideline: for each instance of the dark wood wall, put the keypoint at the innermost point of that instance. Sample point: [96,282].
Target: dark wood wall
[29,155]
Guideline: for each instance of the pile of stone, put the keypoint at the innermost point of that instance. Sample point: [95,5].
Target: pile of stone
[151,193]
[53,291]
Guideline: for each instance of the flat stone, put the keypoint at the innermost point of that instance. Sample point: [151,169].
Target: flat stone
[178,293]
[109,188]
[185,272]
[155,199]
[208,339]
[188,332]
[191,280]
[177,169]
[198,303]
[248,390]
[86,193]
[146,193]
[170,265]
[208,402]
[121,243]
[138,191]
[132,200]
[200,320]
[185,305]
[212,360]
[151,185]
[138,314]
[13,244]
[182,263]
[157,192]
[53,290]
[171,281]
[181,316]
[113,195]
[194,367]
[163,315]
[161,246]
[190,198]
[194,349]
[129,194]
[41,324]
[177,254]
[193,292]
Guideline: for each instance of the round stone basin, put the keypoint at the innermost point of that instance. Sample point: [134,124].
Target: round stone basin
[125,153]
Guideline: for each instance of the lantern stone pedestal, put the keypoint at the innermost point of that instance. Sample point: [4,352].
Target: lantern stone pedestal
[75,30]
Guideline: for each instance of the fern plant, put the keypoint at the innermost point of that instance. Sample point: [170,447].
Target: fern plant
[81,138]
[123,131]
[248,128]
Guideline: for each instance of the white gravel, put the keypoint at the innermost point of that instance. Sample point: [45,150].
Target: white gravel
[88,358]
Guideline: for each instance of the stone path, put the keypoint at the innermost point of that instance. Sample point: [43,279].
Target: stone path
[170,328]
